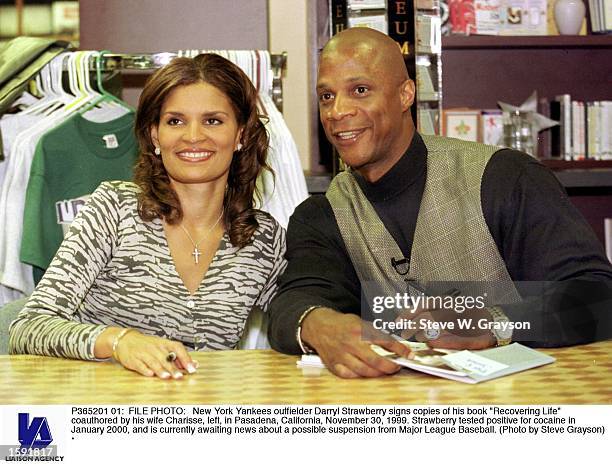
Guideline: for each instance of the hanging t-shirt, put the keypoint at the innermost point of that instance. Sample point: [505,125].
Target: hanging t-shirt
[70,162]
[14,275]
[10,127]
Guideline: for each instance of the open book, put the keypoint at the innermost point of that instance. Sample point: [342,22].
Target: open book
[462,366]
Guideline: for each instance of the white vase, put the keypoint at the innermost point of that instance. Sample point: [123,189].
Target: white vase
[569,15]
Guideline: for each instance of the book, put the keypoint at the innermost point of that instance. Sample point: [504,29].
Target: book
[582,133]
[606,129]
[462,16]
[338,16]
[537,18]
[427,4]
[608,237]
[492,127]
[593,17]
[426,90]
[512,18]
[427,120]
[524,18]
[462,366]
[378,22]
[606,6]
[401,17]
[561,136]
[577,130]
[428,37]
[600,12]
[366,4]
[544,137]
[592,131]
[488,20]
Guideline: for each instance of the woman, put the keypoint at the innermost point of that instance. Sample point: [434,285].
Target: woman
[178,258]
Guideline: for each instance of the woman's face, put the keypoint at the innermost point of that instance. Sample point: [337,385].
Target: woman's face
[197,133]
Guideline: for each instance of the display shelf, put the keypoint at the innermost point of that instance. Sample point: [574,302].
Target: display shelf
[458,42]
[582,173]
[586,178]
[557,164]
[482,70]
[570,178]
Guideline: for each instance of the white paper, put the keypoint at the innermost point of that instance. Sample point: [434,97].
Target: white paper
[472,363]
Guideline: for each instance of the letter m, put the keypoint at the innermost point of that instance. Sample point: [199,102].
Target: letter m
[35,435]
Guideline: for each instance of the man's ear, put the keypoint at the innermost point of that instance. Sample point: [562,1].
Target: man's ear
[407,91]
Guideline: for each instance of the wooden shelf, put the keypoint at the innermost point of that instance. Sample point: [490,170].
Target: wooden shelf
[456,42]
[556,164]
[582,173]
[479,71]
[571,174]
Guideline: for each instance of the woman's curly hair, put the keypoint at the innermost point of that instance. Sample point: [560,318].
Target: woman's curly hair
[157,198]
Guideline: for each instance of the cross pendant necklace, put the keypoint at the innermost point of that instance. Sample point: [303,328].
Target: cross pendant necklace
[196,254]
[196,251]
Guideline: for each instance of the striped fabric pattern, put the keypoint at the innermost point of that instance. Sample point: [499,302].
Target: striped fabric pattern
[113,269]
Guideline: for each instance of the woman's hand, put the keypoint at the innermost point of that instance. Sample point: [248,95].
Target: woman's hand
[147,355]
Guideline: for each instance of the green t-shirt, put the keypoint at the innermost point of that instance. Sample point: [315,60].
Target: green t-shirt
[69,163]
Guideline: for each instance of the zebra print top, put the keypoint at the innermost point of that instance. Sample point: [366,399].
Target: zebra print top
[114,269]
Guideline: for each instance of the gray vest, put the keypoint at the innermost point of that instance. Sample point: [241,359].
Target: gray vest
[452,242]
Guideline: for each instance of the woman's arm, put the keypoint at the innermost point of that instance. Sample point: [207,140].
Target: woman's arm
[276,251]
[46,325]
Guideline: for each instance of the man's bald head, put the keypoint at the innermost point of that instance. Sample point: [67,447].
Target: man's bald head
[365,97]
[371,46]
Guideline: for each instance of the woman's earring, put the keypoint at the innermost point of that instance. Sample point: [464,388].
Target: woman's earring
[239,147]
[157,151]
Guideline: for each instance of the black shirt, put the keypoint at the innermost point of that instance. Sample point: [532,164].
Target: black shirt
[539,233]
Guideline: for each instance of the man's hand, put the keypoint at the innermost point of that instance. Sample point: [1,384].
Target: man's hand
[456,338]
[343,343]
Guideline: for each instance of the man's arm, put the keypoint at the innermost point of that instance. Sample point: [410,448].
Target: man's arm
[550,251]
[320,273]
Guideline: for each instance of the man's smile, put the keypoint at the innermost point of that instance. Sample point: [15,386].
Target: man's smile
[348,137]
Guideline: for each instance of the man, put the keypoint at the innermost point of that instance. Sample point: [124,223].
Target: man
[427,208]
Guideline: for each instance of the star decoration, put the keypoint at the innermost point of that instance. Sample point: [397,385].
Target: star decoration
[538,123]
[462,128]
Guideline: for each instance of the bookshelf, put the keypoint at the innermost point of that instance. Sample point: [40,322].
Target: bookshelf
[583,177]
[457,42]
[555,164]
[481,70]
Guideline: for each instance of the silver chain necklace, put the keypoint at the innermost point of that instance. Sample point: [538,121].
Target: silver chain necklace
[196,251]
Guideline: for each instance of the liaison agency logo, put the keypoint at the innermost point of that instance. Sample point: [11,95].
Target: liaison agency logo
[34,434]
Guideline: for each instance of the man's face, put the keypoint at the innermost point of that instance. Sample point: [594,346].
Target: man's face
[362,108]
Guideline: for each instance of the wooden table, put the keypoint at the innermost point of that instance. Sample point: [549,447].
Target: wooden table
[581,375]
